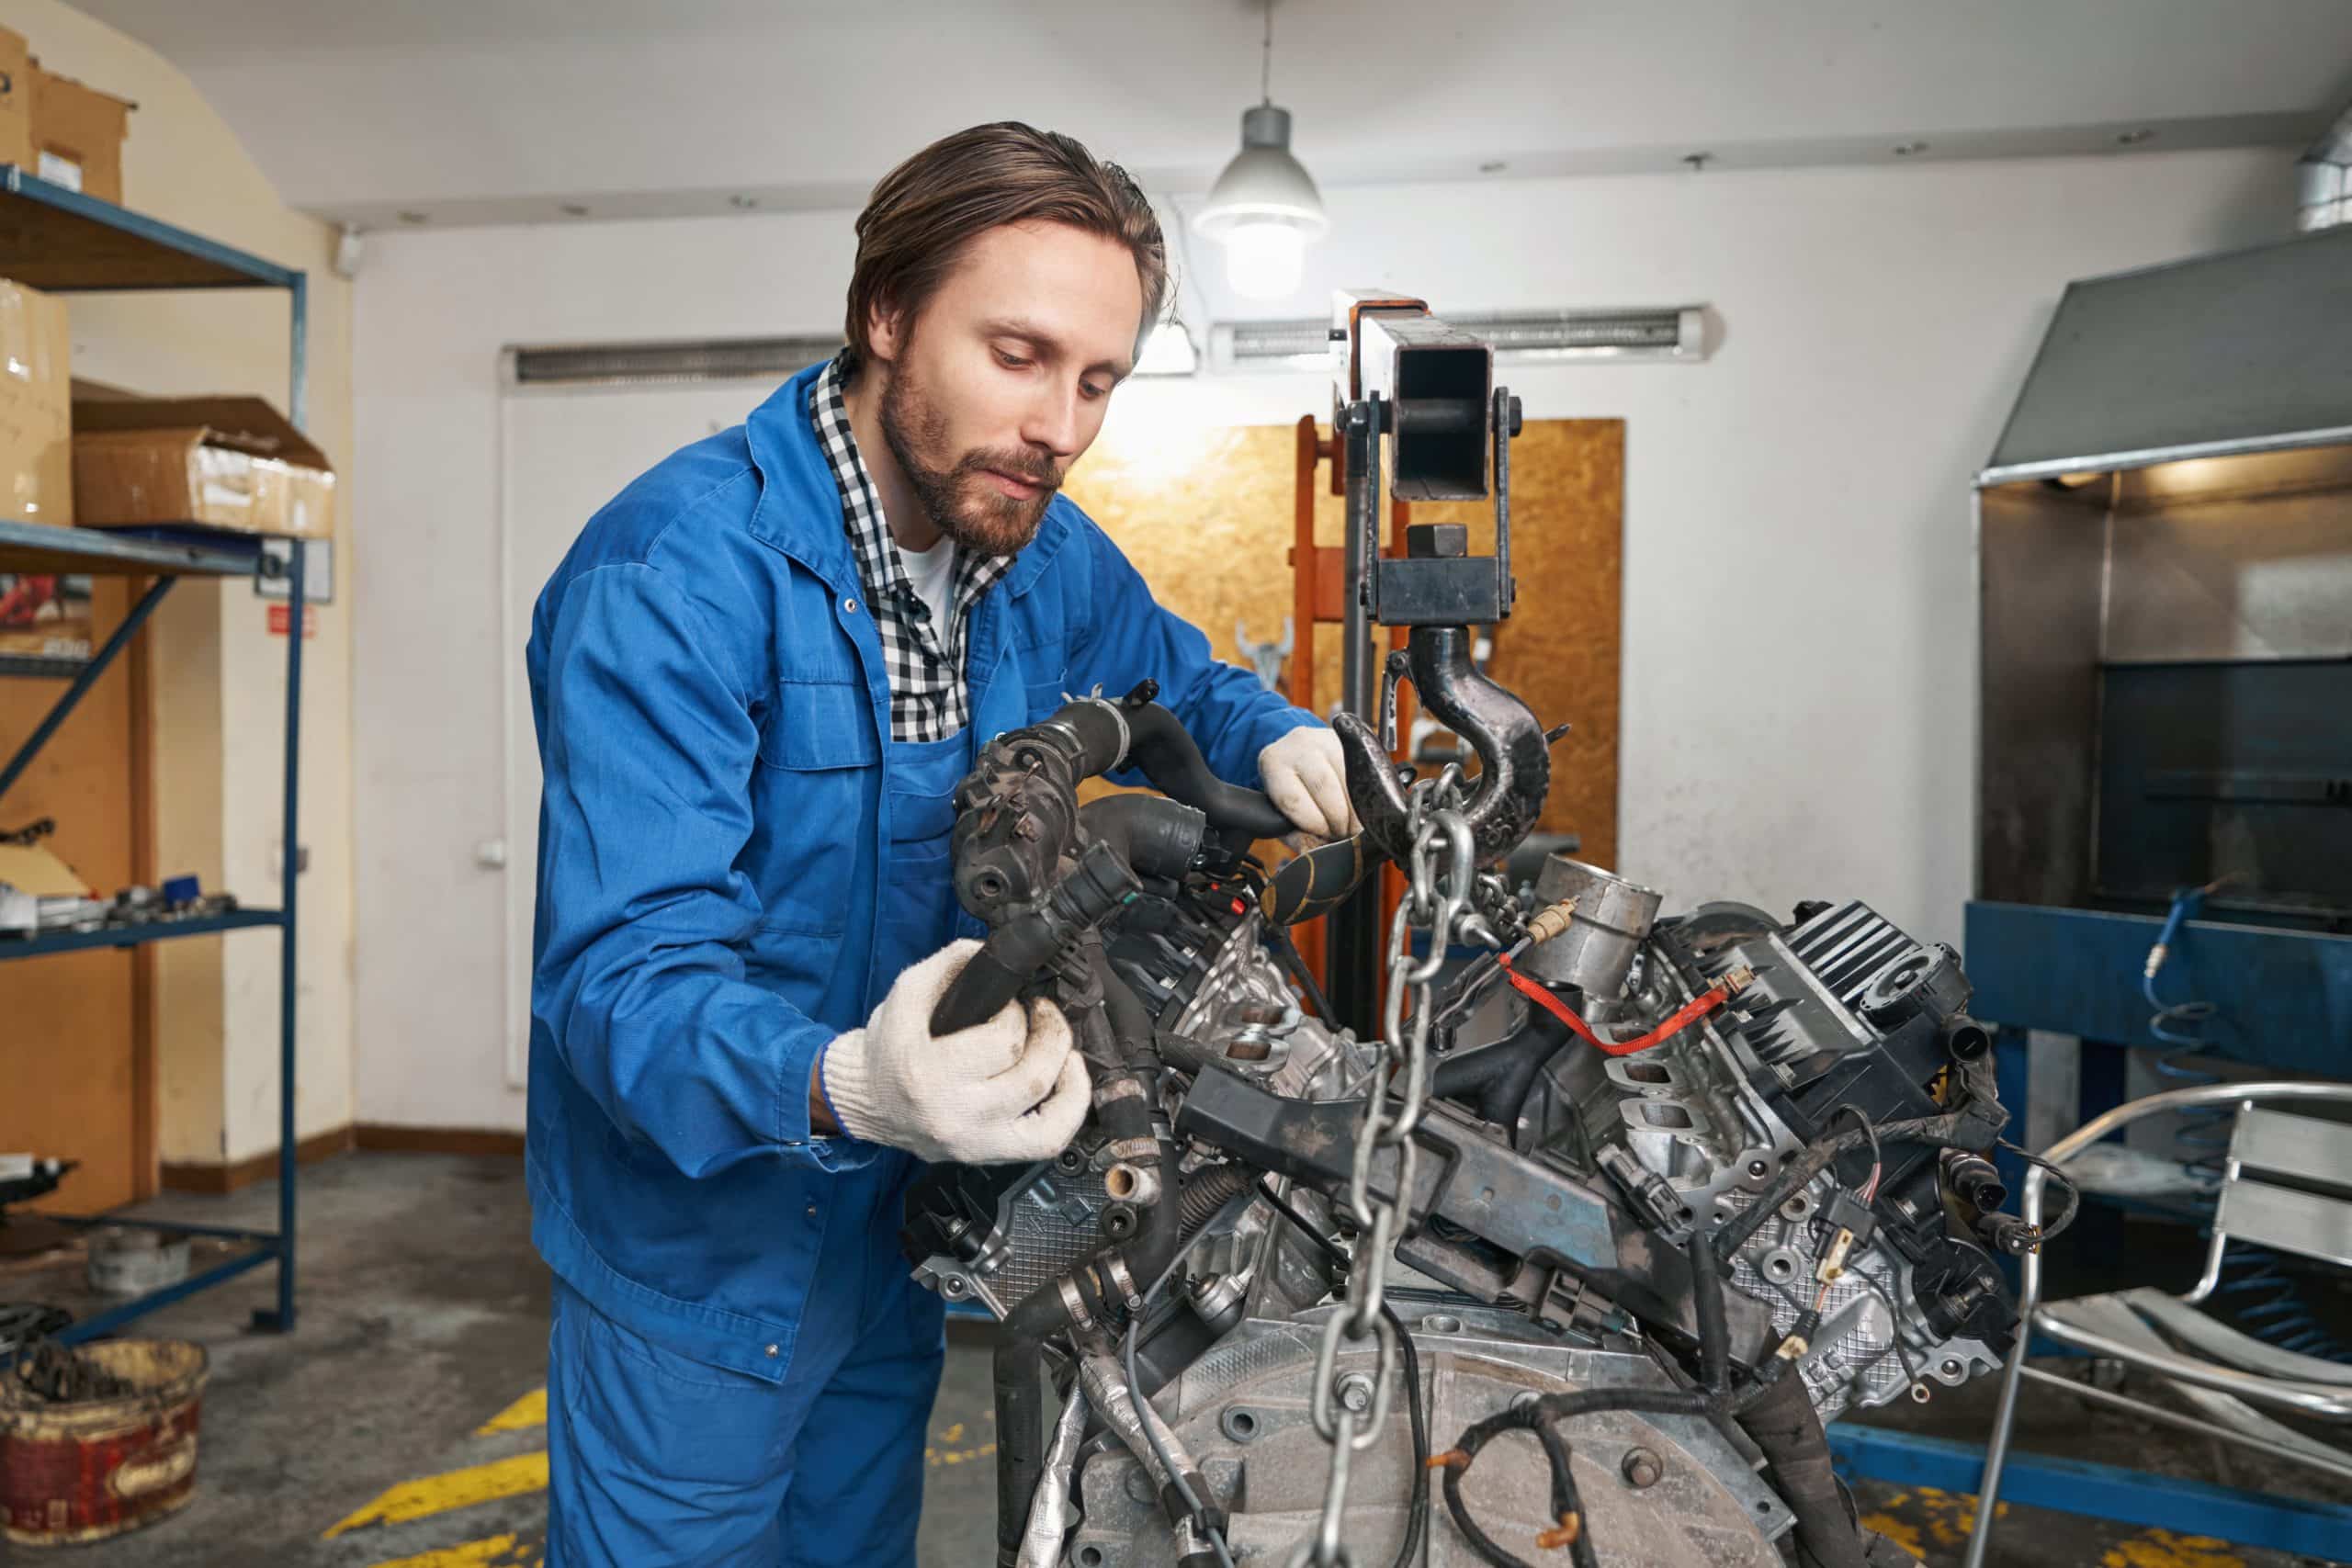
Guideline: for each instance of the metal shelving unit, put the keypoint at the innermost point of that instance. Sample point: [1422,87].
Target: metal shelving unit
[63,242]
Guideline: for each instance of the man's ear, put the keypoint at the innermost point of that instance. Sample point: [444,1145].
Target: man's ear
[883,333]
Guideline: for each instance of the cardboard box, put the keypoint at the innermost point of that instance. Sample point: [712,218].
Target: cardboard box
[78,134]
[222,462]
[16,100]
[36,437]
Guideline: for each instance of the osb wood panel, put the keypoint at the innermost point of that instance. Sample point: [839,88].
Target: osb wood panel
[1206,517]
[65,1021]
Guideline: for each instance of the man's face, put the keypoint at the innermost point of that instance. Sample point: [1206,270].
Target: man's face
[1003,379]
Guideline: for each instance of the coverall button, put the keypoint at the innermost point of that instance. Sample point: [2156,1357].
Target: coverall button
[849,606]
[772,1352]
[813,1211]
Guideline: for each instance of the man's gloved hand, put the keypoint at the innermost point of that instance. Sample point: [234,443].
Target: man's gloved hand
[1305,776]
[1011,1088]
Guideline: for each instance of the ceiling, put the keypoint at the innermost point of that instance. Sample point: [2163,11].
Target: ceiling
[457,111]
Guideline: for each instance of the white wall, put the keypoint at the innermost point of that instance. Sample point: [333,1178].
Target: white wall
[1799,637]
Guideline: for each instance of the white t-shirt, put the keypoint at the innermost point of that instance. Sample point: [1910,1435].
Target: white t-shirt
[932,573]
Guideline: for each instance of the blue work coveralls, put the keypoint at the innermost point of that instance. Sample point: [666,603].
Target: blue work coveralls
[736,861]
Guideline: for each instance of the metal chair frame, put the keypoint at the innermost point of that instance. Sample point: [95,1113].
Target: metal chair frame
[2324,1397]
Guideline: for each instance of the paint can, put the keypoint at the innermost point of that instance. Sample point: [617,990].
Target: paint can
[84,1469]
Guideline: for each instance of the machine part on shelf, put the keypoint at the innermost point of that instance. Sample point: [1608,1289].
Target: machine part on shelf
[1612,919]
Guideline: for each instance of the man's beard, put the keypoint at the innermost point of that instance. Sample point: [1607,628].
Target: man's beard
[961,501]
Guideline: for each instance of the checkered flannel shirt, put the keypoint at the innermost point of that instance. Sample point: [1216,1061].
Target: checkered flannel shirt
[929,700]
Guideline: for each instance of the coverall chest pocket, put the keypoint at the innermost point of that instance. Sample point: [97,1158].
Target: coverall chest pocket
[814,802]
[1044,665]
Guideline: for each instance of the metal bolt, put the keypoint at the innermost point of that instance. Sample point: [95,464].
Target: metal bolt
[1641,1467]
[1355,1392]
[951,1286]
[1952,1369]
[1757,1171]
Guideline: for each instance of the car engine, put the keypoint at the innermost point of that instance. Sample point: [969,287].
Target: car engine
[1572,1248]
[1686,1186]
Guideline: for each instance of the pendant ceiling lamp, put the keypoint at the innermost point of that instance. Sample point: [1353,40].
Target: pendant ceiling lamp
[1264,209]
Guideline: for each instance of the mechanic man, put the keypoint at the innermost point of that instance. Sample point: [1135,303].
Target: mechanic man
[757,678]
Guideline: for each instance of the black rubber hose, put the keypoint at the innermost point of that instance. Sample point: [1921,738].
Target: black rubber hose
[1159,745]
[1101,737]
[1494,1079]
[1130,1030]
[1707,1301]
[1158,837]
[1206,1192]
[1311,885]
[1785,1425]
[1094,890]
[1123,1104]
[1019,1440]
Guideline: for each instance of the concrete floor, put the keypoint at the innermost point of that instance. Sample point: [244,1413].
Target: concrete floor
[423,1316]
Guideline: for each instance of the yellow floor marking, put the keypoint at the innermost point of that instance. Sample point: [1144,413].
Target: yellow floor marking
[932,1456]
[1904,1534]
[954,1433]
[495,1551]
[1915,1519]
[430,1494]
[2162,1548]
[531,1410]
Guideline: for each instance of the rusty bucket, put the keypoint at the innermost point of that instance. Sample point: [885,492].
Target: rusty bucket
[84,1469]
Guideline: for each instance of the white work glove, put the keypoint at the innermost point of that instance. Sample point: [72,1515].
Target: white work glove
[1306,775]
[1011,1088]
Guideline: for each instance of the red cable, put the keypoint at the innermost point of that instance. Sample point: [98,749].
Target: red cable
[1699,1007]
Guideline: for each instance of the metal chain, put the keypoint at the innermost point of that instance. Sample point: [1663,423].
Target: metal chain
[1437,898]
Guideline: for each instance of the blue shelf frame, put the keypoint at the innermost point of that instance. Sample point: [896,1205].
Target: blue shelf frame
[136,935]
[64,241]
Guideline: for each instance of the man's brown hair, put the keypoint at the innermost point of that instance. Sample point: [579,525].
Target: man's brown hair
[919,218]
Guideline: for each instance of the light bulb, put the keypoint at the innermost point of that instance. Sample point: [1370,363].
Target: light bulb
[1264,260]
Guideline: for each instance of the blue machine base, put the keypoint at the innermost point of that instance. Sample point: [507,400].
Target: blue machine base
[2281,998]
